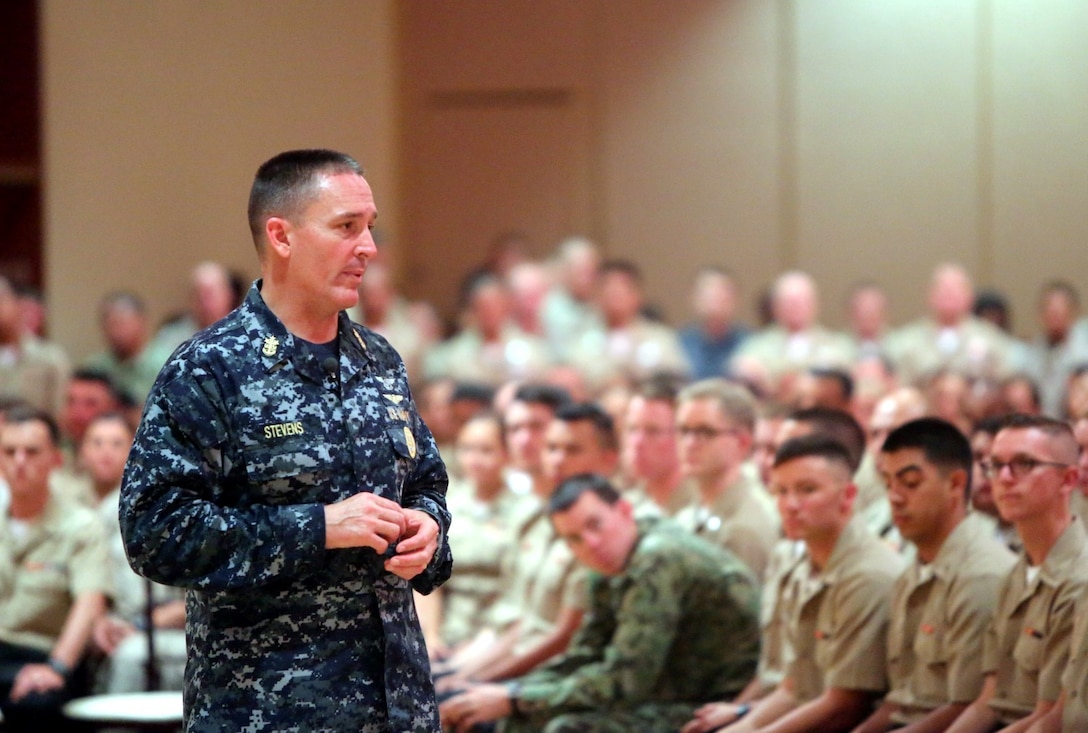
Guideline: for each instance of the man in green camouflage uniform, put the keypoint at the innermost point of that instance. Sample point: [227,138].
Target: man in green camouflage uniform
[672,622]
[281,473]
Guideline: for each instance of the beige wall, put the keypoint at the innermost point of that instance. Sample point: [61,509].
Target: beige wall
[851,138]
[158,113]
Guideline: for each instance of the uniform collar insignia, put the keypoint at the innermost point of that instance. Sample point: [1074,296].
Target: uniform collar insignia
[271,346]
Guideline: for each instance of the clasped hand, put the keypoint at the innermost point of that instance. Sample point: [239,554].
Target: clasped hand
[369,520]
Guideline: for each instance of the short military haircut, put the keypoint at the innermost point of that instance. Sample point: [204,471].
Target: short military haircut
[538,393]
[483,394]
[122,300]
[112,416]
[941,443]
[988,425]
[841,378]
[570,490]
[22,414]
[623,267]
[813,445]
[659,388]
[734,400]
[97,376]
[838,425]
[603,425]
[1058,430]
[286,184]
[1062,287]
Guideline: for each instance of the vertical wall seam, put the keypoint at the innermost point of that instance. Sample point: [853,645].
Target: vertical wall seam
[788,184]
[985,135]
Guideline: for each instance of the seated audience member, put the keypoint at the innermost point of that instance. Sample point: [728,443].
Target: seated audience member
[867,313]
[486,509]
[129,358]
[490,347]
[710,341]
[122,634]
[714,423]
[671,623]
[943,604]
[465,400]
[982,492]
[630,346]
[835,602]
[1060,346]
[773,357]
[649,453]
[949,337]
[1079,501]
[211,297]
[1019,393]
[545,588]
[56,580]
[410,327]
[32,369]
[570,308]
[1033,466]
[824,387]
[529,283]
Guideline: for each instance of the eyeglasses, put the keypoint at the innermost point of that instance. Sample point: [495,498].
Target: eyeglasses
[1019,466]
[702,432]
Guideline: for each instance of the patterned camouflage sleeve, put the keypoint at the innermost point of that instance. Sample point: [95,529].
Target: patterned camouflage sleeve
[425,490]
[623,657]
[180,520]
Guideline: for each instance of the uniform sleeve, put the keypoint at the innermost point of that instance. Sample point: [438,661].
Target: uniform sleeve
[853,648]
[425,490]
[633,646]
[175,529]
[90,565]
[1059,635]
[970,615]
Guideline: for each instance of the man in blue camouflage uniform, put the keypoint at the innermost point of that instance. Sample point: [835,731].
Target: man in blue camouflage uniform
[673,621]
[282,475]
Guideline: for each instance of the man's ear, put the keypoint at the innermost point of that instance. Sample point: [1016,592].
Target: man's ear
[277,236]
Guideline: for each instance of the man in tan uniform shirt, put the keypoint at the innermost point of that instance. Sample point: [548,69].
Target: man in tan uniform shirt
[714,422]
[943,604]
[1033,468]
[835,601]
[54,579]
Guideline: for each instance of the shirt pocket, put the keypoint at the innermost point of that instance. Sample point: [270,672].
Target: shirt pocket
[933,656]
[289,472]
[1028,652]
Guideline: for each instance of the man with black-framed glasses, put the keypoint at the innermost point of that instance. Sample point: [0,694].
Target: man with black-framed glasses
[1033,469]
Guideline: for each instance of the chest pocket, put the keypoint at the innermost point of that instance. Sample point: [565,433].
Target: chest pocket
[289,472]
[933,655]
[1028,651]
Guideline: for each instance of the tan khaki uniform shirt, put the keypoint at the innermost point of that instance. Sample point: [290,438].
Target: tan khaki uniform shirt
[480,536]
[740,520]
[939,616]
[774,651]
[1075,677]
[1027,645]
[62,554]
[838,617]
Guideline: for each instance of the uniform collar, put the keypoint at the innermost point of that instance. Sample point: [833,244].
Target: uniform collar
[1064,554]
[276,347]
